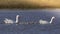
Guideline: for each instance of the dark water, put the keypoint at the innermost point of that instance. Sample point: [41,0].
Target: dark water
[30,16]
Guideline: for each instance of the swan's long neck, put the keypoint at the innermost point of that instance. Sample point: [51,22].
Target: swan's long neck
[17,18]
[52,19]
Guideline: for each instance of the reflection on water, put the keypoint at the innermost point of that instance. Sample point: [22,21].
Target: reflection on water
[29,16]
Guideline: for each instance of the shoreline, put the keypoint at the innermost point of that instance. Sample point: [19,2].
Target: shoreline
[29,4]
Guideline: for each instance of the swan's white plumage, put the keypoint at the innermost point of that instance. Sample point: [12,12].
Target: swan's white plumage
[9,21]
[43,22]
[17,17]
[46,22]
[52,19]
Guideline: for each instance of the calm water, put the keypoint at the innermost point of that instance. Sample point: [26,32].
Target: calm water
[30,16]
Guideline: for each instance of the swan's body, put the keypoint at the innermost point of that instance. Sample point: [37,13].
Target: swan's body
[46,22]
[9,21]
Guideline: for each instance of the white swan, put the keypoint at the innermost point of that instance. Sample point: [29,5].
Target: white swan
[9,21]
[46,22]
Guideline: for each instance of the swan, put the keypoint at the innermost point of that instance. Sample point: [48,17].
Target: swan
[46,22]
[9,21]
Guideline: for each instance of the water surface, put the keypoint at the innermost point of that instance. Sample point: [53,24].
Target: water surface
[30,16]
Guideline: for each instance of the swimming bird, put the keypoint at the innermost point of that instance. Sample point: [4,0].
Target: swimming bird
[9,21]
[46,22]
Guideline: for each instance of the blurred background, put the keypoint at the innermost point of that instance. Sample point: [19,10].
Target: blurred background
[30,4]
[30,11]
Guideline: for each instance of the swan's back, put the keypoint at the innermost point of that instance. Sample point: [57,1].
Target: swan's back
[8,21]
[43,22]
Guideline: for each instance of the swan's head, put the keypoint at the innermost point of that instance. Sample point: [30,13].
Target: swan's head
[53,17]
[17,16]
